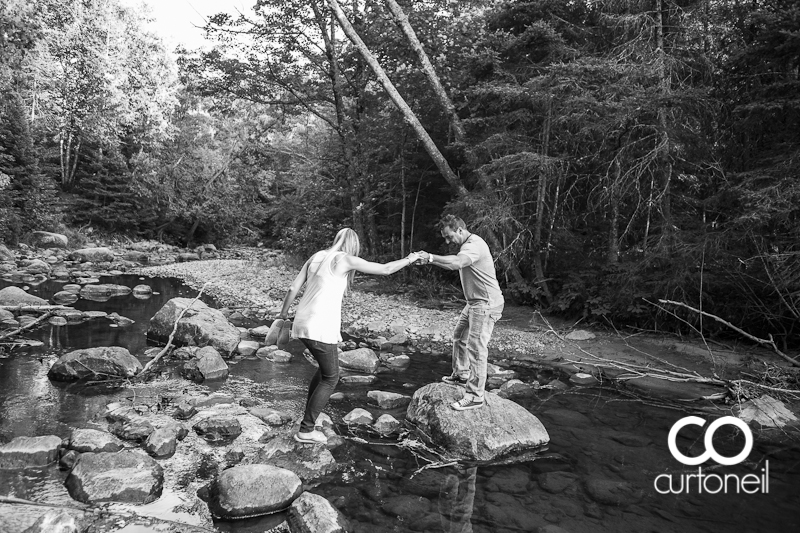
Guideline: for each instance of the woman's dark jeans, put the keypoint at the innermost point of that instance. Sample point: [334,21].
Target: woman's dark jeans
[323,382]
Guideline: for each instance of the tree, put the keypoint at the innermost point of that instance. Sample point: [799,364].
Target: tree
[97,77]
[199,182]
[408,114]
[27,200]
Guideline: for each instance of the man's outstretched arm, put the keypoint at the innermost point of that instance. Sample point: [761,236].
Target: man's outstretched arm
[449,262]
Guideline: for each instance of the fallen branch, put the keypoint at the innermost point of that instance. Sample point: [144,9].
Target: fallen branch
[636,371]
[35,308]
[27,326]
[160,354]
[765,342]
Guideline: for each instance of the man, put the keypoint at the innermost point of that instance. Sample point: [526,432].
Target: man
[484,307]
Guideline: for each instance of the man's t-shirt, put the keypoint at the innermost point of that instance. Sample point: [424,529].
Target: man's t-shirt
[479,279]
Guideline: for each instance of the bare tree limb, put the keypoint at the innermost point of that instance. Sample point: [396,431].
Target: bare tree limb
[166,348]
[765,342]
[433,151]
[28,326]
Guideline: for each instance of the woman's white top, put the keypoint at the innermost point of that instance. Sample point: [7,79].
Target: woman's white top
[319,315]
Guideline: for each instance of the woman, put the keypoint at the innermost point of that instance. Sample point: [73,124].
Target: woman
[327,274]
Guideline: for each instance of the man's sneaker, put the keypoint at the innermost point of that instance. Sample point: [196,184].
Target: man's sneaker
[312,437]
[468,402]
[454,380]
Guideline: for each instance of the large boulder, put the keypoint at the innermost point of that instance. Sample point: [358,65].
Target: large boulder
[92,255]
[16,296]
[499,429]
[201,325]
[312,513]
[252,490]
[93,441]
[358,416]
[361,359]
[36,266]
[23,452]
[108,361]
[46,239]
[207,364]
[133,427]
[219,429]
[162,442]
[127,476]
[387,400]
[103,292]
[65,298]
[308,461]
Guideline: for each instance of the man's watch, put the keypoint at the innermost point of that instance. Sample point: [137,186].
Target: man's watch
[430,258]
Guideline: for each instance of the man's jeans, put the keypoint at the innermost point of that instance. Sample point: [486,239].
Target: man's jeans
[323,382]
[471,344]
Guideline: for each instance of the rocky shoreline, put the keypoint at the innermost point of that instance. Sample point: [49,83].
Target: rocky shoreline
[257,288]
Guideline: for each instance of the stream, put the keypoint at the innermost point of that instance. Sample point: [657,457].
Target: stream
[598,473]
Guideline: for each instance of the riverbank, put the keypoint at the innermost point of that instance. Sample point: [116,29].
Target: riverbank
[650,365]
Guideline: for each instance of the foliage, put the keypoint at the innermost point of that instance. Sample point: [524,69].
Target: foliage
[200,183]
[611,153]
[97,76]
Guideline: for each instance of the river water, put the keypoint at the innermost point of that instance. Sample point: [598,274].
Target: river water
[598,473]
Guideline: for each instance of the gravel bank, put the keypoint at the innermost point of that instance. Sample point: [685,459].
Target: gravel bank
[260,286]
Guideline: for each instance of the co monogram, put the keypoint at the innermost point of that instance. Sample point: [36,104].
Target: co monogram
[710,452]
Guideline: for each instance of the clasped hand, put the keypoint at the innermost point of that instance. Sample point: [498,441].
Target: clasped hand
[418,258]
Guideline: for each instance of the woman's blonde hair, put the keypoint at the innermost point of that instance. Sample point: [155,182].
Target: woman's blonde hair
[347,241]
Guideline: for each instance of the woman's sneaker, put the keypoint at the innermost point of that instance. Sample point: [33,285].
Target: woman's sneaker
[312,437]
[468,402]
[455,380]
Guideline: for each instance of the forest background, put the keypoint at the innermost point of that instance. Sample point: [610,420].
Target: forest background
[613,153]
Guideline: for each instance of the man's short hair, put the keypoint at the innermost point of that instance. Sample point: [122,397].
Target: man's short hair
[452,222]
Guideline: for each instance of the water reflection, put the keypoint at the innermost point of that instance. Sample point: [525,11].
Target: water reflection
[458,500]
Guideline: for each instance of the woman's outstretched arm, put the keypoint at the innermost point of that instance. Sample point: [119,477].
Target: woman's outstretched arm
[350,262]
[295,287]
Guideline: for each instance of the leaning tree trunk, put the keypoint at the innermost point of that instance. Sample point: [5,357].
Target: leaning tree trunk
[408,114]
[402,20]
